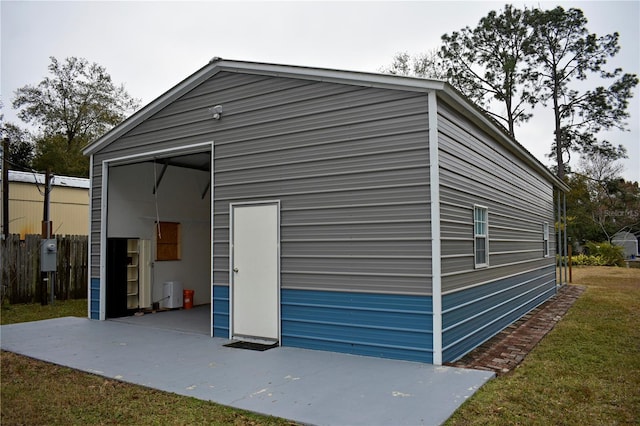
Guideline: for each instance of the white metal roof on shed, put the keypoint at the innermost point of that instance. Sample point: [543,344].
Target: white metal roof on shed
[32,177]
[443,90]
[624,236]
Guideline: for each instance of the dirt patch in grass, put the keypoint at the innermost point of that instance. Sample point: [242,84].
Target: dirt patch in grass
[585,371]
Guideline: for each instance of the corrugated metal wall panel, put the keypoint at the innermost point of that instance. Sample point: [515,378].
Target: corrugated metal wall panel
[392,326]
[226,85]
[367,248]
[361,265]
[295,185]
[452,125]
[472,316]
[265,154]
[279,170]
[231,81]
[349,164]
[454,248]
[353,230]
[283,113]
[330,281]
[475,169]
[96,208]
[221,311]
[94,298]
[359,133]
[462,279]
[269,107]
[465,189]
[69,209]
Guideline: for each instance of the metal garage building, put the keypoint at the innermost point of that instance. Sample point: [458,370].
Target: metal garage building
[325,209]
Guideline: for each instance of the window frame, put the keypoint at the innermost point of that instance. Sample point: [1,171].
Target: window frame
[545,239]
[477,236]
[170,250]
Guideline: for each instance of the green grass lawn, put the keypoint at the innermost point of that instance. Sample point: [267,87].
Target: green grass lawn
[11,314]
[584,372]
[33,392]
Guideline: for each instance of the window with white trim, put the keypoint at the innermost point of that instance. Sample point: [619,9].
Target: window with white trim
[480,237]
[545,239]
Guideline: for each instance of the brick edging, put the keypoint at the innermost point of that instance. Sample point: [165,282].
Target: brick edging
[503,352]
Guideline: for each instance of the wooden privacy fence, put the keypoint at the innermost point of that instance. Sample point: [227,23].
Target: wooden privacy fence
[21,268]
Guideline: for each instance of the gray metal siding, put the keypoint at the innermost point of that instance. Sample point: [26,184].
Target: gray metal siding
[94,205]
[349,164]
[351,171]
[475,169]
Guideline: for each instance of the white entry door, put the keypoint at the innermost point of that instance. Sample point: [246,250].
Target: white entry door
[254,251]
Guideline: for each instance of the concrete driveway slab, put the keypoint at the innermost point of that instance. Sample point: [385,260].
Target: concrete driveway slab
[311,387]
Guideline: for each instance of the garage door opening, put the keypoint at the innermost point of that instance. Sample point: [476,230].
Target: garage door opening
[158,241]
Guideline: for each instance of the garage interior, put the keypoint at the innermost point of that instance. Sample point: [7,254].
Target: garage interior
[159,242]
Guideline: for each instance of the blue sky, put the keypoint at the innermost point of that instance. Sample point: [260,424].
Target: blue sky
[151,46]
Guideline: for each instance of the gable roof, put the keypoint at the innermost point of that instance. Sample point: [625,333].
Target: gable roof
[443,90]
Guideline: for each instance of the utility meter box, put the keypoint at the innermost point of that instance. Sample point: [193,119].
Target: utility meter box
[48,255]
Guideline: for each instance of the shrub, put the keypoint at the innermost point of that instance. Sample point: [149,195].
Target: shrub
[611,255]
[587,260]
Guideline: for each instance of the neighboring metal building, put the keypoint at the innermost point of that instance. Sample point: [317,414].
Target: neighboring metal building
[628,241]
[334,210]
[69,204]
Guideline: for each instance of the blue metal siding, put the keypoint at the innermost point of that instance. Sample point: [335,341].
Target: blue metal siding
[94,296]
[472,316]
[220,311]
[384,325]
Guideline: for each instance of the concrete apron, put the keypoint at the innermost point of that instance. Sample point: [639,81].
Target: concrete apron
[312,387]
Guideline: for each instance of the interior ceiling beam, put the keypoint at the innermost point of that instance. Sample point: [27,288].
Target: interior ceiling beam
[206,189]
[201,167]
[164,169]
[204,166]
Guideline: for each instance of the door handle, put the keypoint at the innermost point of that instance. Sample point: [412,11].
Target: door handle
[235,270]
